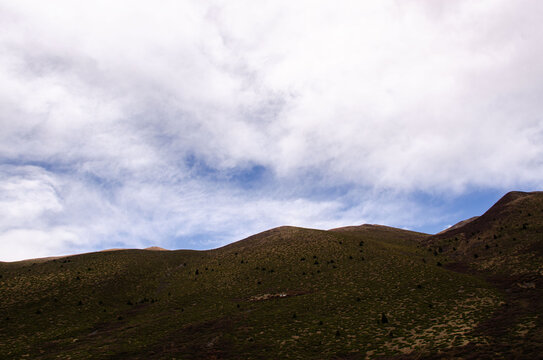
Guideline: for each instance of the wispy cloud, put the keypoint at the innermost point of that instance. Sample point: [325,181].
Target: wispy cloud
[193,124]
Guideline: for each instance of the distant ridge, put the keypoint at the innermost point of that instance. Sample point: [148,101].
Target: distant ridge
[49,258]
[458,225]
[373,227]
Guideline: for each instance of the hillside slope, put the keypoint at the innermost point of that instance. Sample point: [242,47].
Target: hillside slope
[354,292]
[507,239]
[287,292]
[505,247]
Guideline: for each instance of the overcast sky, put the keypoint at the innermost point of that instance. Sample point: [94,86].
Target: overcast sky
[192,124]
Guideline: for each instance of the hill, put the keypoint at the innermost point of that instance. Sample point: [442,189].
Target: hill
[505,247]
[353,292]
[506,239]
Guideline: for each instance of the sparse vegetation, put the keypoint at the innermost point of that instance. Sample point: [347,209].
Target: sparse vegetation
[194,304]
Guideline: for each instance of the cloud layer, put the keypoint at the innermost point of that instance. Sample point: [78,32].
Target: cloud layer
[193,124]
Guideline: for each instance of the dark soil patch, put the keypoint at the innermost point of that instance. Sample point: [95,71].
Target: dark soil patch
[205,340]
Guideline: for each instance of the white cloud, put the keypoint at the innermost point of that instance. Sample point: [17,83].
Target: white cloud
[385,98]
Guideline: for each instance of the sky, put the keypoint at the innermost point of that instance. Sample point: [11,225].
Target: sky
[193,124]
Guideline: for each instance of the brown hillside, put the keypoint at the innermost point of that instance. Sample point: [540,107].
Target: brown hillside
[505,247]
[506,238]
[380,229]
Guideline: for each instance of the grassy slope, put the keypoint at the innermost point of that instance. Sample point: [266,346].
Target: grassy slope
[504,246]
[152,304]
[287,292]
[507,239]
